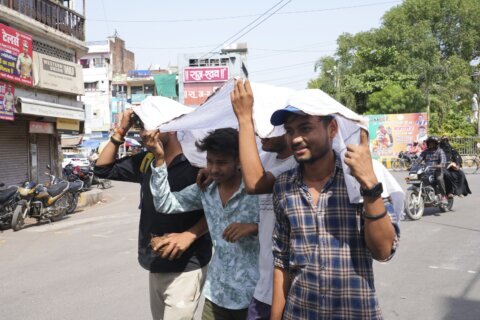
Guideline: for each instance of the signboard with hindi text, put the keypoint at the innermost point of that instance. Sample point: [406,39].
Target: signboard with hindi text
[68,126]
[205,74]
[194,94]
[58,75]
[16,60]
[392,133]
[7,101]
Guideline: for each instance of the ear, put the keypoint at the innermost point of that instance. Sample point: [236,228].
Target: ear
[333,129]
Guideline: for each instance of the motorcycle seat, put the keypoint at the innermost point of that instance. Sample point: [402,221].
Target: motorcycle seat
[6,194]
[76,185]
[55,189]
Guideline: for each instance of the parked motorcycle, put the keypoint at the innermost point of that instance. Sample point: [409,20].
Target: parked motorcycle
[85,174]
[423,192]
[8,202]
[73,193]
[44,203]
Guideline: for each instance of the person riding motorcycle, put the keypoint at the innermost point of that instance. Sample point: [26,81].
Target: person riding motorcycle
[434,157]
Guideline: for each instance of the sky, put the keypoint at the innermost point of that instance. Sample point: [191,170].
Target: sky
[282,50]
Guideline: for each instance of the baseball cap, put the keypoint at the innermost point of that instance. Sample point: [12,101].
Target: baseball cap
[279,116]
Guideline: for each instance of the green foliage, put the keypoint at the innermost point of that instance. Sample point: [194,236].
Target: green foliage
[417,60]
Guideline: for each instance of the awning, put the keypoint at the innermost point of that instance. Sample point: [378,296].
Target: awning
[166,85]
[48,109]
[71,142]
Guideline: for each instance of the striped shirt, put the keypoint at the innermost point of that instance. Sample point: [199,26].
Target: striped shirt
[324,251]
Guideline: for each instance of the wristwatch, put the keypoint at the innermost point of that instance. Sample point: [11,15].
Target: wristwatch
[375,191]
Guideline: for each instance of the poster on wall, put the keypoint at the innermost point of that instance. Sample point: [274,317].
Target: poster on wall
[392,133]
[194,94]
[15,56]
[7,101]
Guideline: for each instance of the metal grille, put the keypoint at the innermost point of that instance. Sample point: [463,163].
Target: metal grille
[43,153]
[52,51]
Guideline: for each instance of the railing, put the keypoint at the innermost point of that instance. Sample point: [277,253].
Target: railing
[466,146]
[51,14]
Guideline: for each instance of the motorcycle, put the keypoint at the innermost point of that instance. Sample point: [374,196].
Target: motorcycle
[44,203]
[73,192]
[423,192]
[86,175]
[8,201]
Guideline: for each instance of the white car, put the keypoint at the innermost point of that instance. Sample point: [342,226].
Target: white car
[76,159]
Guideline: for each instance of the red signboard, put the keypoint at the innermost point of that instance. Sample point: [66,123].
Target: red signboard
[15,56]
[194,94]
[7,104]
[205,74]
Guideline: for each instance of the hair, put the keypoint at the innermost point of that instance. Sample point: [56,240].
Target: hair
[326,120]
[224,140]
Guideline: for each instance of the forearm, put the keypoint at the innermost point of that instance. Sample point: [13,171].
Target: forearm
[255,178]
[199,229]
[108,155]
[380,233]
[281,285]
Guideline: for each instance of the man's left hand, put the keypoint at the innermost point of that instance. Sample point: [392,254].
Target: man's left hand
[237,231]
[172,245]
[359,160]
[242,100]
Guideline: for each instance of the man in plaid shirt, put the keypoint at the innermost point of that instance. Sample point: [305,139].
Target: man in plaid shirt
[323,245]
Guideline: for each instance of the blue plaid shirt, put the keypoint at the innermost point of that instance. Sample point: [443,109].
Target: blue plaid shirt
[324,251]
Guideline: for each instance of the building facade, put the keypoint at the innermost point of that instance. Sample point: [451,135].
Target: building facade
[40,85]
[105,61]
[202,74]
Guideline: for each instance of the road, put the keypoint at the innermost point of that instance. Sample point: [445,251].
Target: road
[85,267]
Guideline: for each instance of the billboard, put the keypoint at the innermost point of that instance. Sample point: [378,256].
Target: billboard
[7,101]
[392,133]
[15,56]
[194,94]
[205,74]
[59,75]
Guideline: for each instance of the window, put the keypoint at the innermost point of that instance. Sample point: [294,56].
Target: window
[136,89]
[148,89]
[91,86]
[98,62]
[85,63]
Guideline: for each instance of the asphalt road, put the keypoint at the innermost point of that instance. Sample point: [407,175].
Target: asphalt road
[85,267]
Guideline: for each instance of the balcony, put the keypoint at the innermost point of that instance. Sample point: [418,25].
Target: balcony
[51,14]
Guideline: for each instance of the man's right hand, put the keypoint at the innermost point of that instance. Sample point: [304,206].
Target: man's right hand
[126,122]
[153,143]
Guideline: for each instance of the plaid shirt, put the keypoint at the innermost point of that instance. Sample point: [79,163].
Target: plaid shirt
[324,251]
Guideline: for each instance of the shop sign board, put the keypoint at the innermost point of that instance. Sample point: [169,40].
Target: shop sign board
[16,60]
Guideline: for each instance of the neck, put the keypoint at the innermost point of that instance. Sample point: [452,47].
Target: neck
[233,182]
[172,150]
[320,169]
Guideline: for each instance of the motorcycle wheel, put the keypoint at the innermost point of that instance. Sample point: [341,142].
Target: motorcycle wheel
[62,203]
[72,200]
[448,206]
[396,165]
[413,209]
[18,219]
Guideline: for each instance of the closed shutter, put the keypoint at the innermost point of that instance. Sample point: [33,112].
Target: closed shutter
[13,151]
[43,150]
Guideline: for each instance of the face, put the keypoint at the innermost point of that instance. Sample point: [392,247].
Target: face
[432,145]
[309,138]
[222,167]
[276,144]
[25,49]
[421,131]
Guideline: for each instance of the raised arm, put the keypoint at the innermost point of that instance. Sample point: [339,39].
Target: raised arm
[255,178]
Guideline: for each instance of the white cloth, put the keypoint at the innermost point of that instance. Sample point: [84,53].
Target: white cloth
[156,110]
[263,290]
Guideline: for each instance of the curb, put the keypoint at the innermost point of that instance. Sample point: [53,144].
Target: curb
[89,198]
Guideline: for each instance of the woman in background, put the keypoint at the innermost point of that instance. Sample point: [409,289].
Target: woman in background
[455,180]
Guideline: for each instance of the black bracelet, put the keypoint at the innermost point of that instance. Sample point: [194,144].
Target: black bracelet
[116,141]
[374,217]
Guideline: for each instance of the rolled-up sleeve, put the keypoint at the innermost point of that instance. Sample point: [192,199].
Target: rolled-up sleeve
[165,201]
[281,234]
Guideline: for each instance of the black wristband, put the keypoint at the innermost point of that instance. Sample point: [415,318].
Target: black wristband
[374,217]
[116,141]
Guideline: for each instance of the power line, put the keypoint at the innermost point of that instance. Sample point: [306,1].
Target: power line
[246,16]
[249,27]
